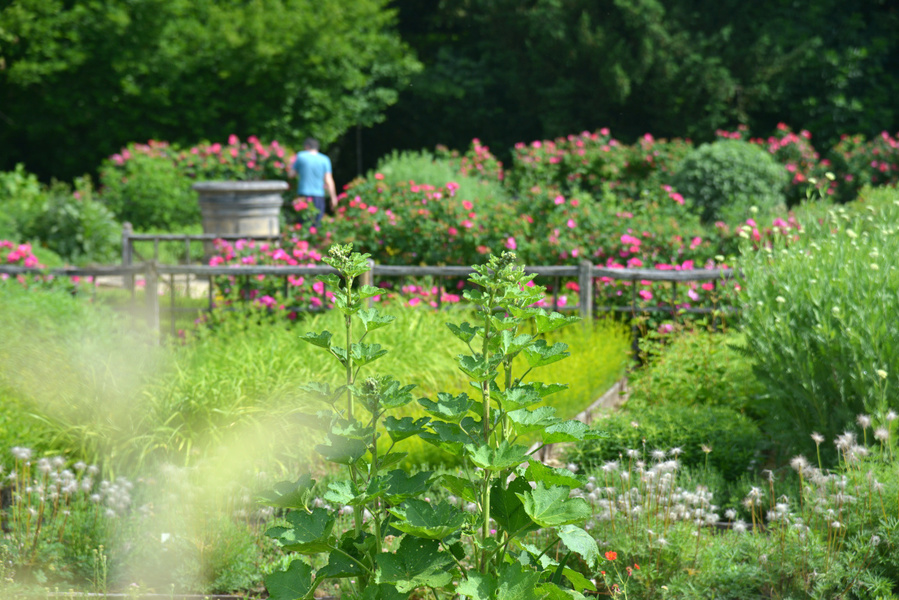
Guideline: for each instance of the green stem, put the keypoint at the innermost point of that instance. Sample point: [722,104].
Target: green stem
[349,350]
[485,395]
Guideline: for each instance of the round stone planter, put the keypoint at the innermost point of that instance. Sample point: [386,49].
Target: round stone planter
[250,208]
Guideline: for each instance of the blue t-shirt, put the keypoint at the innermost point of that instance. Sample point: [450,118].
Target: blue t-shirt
[311,168]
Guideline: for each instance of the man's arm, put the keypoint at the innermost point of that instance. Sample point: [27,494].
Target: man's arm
[332,190]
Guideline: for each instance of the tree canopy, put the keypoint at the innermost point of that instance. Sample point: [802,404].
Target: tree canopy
[517,70]
[79,78]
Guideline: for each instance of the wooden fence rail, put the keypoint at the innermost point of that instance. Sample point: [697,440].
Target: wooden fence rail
[155,274]
[586,274]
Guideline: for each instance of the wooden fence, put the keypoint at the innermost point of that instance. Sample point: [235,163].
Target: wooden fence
[156,275]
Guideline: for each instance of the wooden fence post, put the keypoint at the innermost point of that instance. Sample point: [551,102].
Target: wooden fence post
[585,283]
[152,291]
[128,279]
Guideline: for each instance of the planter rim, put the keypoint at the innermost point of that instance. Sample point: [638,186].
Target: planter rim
[271,185]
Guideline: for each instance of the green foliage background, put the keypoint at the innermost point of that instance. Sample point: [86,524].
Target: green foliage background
[80,79]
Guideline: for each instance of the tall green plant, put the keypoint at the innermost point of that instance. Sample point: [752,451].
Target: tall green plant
[488,554]
[819,316]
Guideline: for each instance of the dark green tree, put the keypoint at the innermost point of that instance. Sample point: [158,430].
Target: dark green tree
[518,70]
[79,78]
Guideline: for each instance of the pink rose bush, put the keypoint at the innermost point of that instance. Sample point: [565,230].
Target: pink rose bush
[22,255]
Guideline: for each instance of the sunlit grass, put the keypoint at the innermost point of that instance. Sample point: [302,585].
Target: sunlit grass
[94,384]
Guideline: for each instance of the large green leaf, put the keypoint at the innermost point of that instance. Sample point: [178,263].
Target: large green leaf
[551,507]
[400,429]
[553,321]
[545,389]
[516,583]
[541,354]
[448,436]
[478,586]
[344,491]
[426,520]
[322,340]
[448,407]
[459,486]
[519,397]
[364,292]
[512,344]
[309,532]
[533,420]
[569,431]
[393,395]
[503,323]
[293,584]
[342,450]
[476,368]
[507,509]
[366,353]
[417,563]
[372,319]
[579,541]
[400,485]
[345,563]
[549,476]
[464,332]
[289,495]
[578,580]
[504,456]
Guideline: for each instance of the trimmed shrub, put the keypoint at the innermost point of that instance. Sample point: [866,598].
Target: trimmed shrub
[726,178]
[143,185]
[22,199]
[732,439]
[76,226]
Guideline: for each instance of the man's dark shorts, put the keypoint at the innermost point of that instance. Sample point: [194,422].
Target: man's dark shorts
[319,203]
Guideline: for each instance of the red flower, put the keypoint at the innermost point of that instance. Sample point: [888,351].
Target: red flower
[611,555]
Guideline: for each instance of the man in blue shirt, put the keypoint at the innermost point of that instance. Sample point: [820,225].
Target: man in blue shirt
[313,171]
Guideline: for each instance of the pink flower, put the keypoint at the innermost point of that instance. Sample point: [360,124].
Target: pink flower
[318,287]
[645,294]
[510,243]
[467,224]
[379,176]
[266,301]
[453,231]
[559,200]
[677,198]
[467,205]
[708,286]
[692,294]
[571,223]
[414,301]
[372,209]
[233,140]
